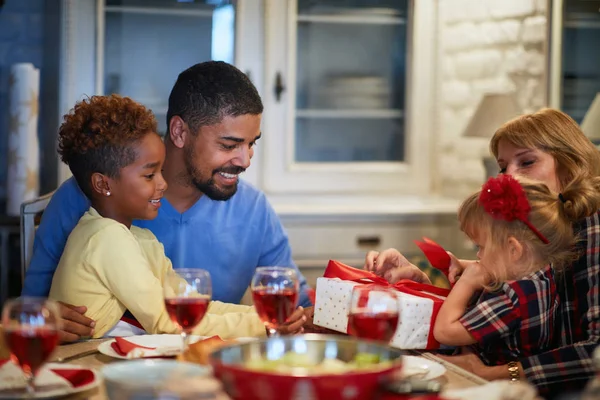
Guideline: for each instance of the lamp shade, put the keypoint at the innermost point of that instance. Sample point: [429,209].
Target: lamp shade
[591,122]
[493,110]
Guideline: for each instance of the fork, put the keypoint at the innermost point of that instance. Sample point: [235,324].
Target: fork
[76,356]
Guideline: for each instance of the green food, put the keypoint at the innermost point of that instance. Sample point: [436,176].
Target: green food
[296,363]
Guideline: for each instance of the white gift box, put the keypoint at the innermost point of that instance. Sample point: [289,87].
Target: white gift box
[333,301]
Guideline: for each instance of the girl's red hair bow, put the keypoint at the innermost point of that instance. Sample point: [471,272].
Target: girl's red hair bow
[504,198]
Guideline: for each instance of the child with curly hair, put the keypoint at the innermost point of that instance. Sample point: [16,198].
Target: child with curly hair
[524,235]
[111,146]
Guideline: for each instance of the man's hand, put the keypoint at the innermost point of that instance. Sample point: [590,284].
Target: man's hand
[393,266]
[294,323]
[310,327]
[75,324]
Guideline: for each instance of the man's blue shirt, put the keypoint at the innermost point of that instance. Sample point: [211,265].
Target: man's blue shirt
[227,238]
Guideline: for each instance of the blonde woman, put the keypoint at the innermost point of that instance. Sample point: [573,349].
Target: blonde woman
[547,146]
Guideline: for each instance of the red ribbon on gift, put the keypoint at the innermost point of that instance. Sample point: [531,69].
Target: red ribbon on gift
[336,269]
[437,256]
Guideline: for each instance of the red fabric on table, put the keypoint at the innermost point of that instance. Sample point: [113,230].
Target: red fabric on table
[123,346]
[394,396]
[75,376]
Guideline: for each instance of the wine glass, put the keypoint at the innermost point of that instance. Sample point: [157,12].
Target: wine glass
[275,295]
[31,326]
[374,313]
[187,292]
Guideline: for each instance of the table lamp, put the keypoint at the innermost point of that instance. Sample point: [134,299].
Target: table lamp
[493,110]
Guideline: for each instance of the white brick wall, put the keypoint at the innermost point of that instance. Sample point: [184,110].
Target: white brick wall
[486,46]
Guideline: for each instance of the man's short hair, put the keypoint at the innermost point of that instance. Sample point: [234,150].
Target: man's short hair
[207,92]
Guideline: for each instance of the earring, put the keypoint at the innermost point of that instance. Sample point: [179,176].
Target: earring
[108,193]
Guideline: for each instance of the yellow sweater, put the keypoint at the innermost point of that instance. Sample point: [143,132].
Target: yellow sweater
[110,269]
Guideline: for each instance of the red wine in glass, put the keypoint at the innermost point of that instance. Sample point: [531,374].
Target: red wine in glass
[274,307]
[374,326]
[187,312]
[187,293]
[31,326]
[31,346]
[275,293]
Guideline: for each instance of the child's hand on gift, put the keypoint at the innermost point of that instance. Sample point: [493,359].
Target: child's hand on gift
[294,324]
[473,274]
[456,268]
[393,266]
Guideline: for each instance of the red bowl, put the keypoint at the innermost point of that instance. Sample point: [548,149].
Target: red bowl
[247,384]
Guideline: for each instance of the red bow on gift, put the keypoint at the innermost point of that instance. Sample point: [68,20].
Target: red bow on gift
[336,269]
[437,256]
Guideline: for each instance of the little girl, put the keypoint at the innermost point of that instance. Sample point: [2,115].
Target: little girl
[524,234]
[115,269]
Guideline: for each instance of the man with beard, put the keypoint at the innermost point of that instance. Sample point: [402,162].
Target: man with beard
[209,219]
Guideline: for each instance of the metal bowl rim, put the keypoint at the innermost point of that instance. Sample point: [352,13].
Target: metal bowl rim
[396,363]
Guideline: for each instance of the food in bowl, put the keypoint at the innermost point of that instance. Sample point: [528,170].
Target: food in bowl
[297,363]
[232,365]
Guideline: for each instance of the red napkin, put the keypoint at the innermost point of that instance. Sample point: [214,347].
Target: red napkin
[76,377]
[437,256]
[409,396]
[122,346]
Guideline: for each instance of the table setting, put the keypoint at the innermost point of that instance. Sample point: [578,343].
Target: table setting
[359,362]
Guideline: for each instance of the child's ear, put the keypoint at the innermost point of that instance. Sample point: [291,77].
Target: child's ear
[100,184]
[515,248]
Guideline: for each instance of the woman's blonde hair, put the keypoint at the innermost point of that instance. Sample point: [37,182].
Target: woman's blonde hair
[557,134]
[551,215]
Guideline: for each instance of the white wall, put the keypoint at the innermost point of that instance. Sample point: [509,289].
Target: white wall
[484,46]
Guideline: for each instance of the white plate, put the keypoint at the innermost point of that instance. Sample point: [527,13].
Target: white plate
[150,341]
[45,393]
[424,368]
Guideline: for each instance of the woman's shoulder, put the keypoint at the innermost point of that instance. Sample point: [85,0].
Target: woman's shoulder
[589,222]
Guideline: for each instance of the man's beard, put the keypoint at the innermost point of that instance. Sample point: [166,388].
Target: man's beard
[208,186]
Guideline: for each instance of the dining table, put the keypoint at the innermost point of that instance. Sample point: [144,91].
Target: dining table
[85,354]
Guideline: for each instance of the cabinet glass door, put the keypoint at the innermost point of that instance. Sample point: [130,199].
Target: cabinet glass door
[147,43]
[580,56]
[350,81]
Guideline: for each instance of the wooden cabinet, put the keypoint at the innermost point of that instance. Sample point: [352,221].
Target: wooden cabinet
[348,96]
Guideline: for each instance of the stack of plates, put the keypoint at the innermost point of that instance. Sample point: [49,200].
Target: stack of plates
[356,92]
[366,11]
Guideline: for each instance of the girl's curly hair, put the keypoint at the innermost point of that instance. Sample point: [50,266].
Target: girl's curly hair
[97,136]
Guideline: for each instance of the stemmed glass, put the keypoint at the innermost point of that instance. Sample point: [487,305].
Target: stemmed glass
[31,326]
[275,295]
[374,313]
[187,293]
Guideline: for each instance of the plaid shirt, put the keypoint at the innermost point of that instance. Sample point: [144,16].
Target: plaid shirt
[569,366]
[517,320]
